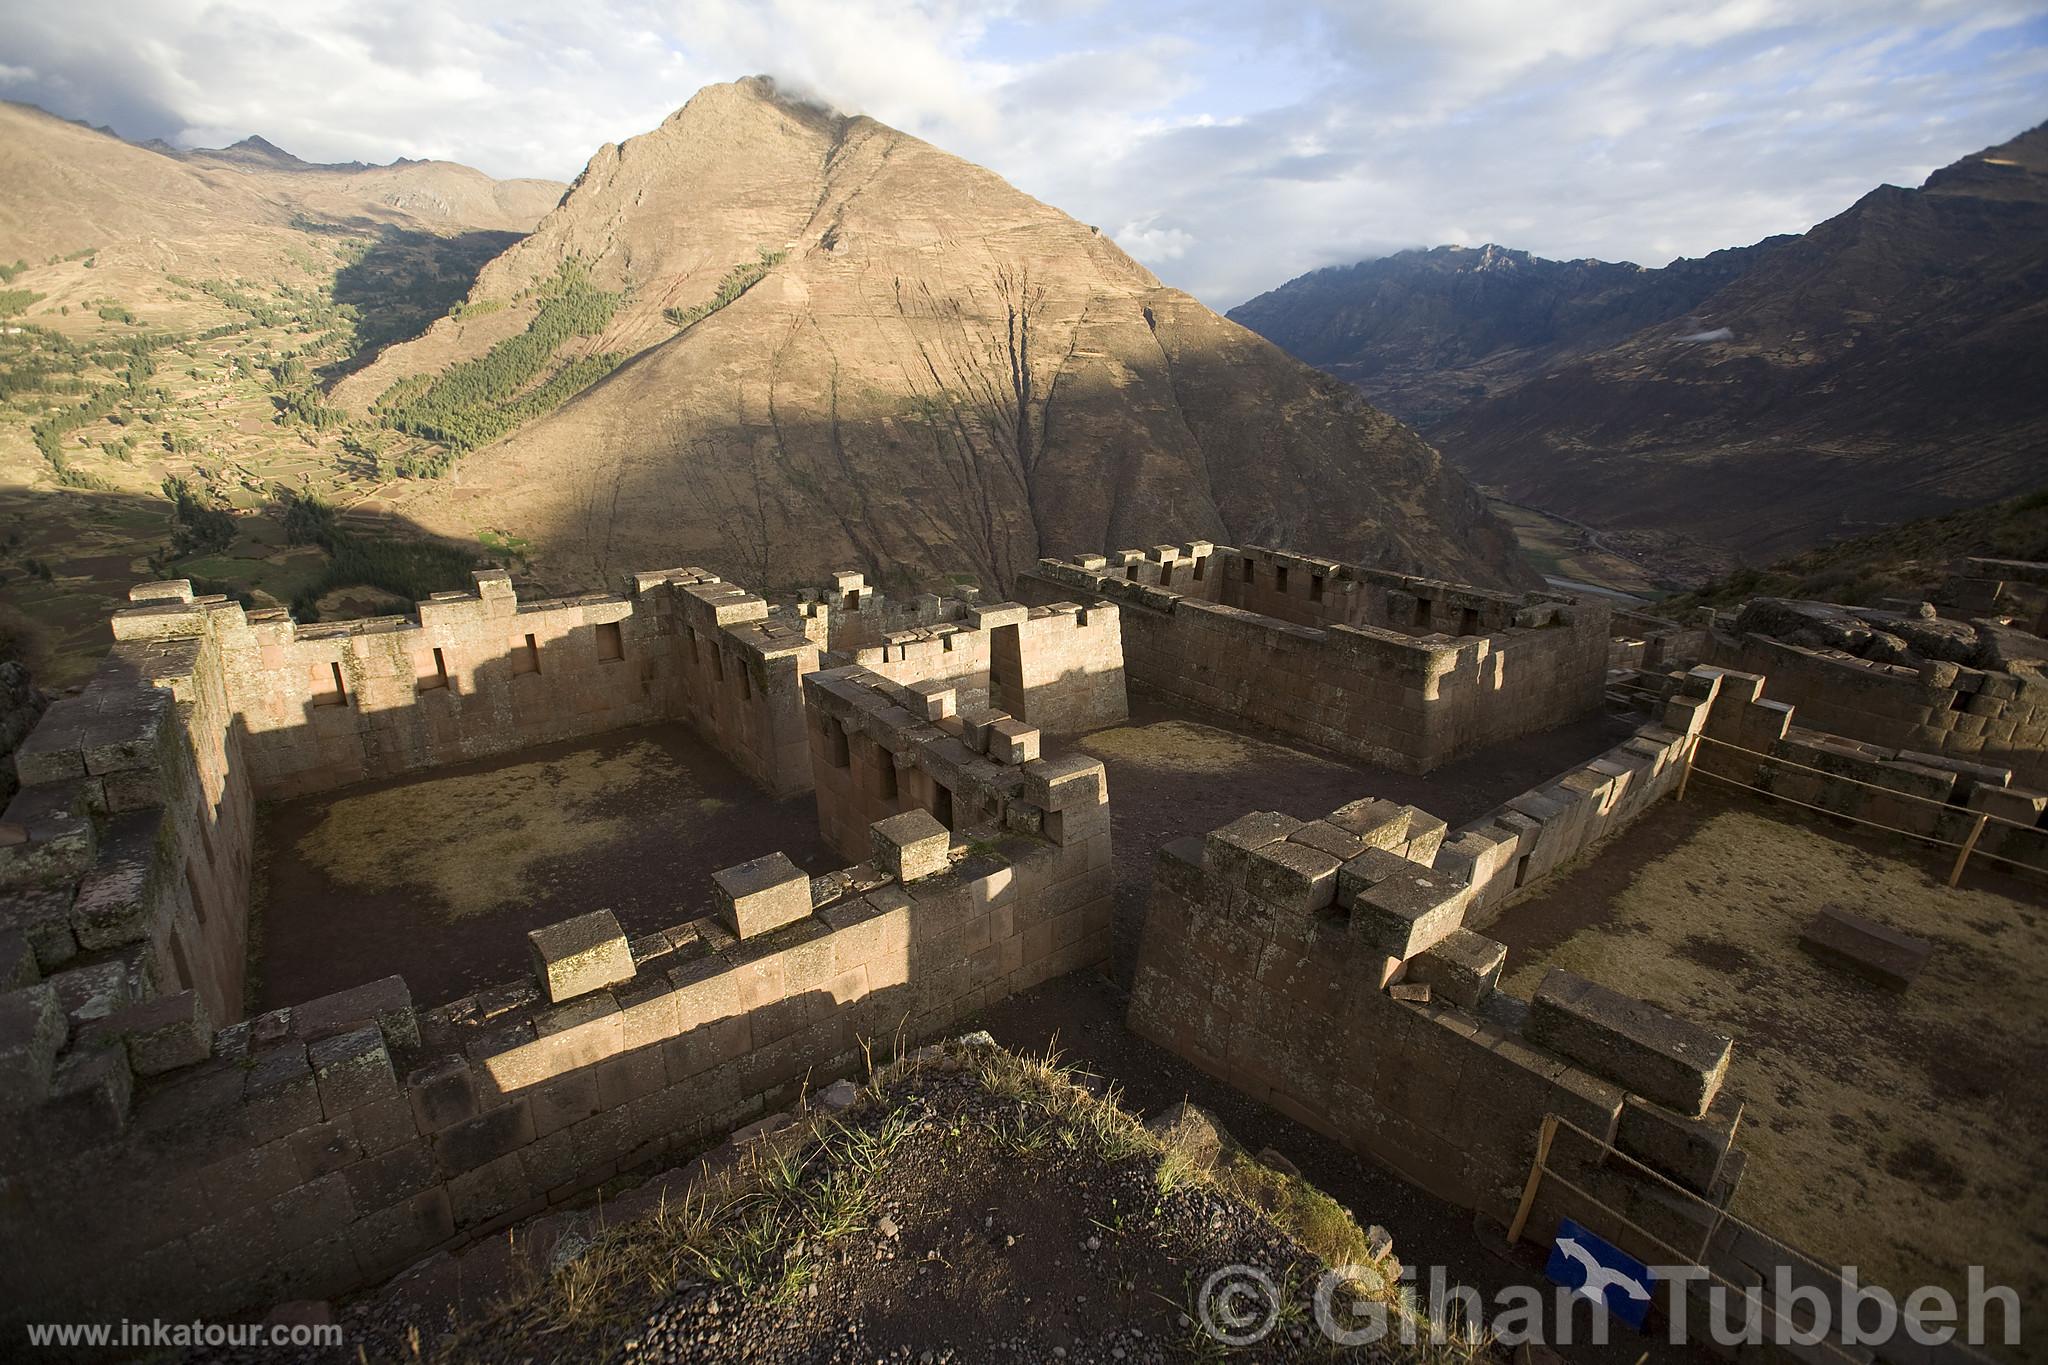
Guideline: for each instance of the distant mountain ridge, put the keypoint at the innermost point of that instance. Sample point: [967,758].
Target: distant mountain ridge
[1883,365]
[73,186]
[1425,332]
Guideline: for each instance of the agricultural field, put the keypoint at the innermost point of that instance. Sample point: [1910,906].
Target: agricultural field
[175,426]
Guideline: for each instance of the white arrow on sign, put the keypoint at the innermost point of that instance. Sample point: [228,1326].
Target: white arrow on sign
[1598,1276]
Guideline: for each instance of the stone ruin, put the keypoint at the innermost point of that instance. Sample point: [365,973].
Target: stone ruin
[166,1154]
[1902,678]
[1400,671]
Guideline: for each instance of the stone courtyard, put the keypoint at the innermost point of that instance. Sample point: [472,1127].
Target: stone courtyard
[335,946]
[438,877]
[1174,774]
[1899,1132]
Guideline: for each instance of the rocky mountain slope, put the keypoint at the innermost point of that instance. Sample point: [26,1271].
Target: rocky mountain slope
[1425,333]
[1883,365]
[827,343]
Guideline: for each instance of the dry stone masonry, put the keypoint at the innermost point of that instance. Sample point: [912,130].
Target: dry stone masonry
[1971,690]
[167,1156]
[1400,671]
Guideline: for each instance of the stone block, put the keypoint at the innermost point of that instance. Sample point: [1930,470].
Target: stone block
[32,1032]
[1425,835]
[1065,782]
[1381,824]
[390,1238]
[383,1180]
[488,1191]
[577,1034]
[351,1069]
[1871,950]
[17,961]
[910,846]
[488,1137]
[975,723]
[762,895]
[1013,742]
[1001,614]
[90,1091]
[442,1093]
[1227,852]
[590,952]
[1294,877]
[279,1094]
[934,700]
[94,991]
[324,1148]
[1672,1061]
[1409,912]
[112,907]
[383,1124]
[165,1033]
[647,1011]
[1339,843]
[1462,969]
[1477,859]
[42,916]
[1368,870]
[386,1002]
[1690,1150]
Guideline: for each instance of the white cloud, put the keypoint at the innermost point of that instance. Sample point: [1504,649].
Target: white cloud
[1152,244]
[1239,145]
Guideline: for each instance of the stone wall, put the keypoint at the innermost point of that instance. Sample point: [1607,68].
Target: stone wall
[879,749]
[1932,795]
[1321,967]
[125,856]
[21,706]
[481,673]
[2013,589]
[734,670]
[1510,850]
[1059,667]
[1996,718]
[318,1148]
[476,674]
[1384,694]
[1643,641]
[854,615]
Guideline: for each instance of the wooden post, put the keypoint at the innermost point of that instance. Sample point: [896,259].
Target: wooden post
[1522,1211]
[1713,1229]
[1692,752]
[1969,846]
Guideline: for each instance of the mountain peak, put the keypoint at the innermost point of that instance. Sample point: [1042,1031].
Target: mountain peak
[255,150]
[908,318]
[750,96]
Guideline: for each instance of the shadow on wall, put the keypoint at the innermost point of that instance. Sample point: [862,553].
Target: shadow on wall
[316,1149]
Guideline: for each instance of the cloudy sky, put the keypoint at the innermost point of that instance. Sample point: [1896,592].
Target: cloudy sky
[1229,144]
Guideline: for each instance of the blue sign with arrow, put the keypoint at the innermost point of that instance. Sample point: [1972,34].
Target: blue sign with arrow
[1600,1271]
